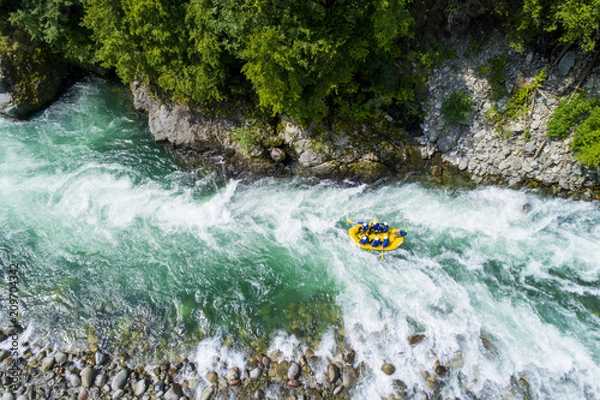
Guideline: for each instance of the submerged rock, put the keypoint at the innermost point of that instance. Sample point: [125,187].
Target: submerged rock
[349,376]
[333,373]
[212,377]
[207,393]
[416,339]
[388,368]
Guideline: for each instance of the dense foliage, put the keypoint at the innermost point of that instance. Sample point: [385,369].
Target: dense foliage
[311,60]
[580,114]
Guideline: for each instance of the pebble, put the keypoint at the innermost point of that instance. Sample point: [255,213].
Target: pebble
[388,368]
[66,380]
[74,380]
[119,380]
[87,377]
[333,372]
[266,361]
[294,383]
[349,376]
[233,374]
[212,377]
[255,373]
[193,384]
[47,363]
[207,393]
[281,369]
[101,358]
[60,358]
[174,393]
[294,370]
[140,387]
[100,380]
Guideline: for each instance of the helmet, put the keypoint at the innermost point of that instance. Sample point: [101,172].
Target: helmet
[385,224]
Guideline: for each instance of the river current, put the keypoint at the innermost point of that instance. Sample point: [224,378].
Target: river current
[120,246]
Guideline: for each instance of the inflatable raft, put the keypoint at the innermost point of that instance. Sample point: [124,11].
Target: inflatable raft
[375,236]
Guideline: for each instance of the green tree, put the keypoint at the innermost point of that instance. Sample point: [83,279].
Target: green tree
[569,21]
[305,57]
[55,23]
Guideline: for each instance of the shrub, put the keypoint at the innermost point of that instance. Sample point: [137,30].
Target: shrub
[457,107]
[582,115]
[569,114]
[248,136]
[517,105]
[586,141]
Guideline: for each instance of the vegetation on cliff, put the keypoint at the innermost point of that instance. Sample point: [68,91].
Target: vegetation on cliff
[312,60]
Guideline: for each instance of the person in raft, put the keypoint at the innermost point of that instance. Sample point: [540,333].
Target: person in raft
[363,228]
[401,233]
[374,227]
[364,239]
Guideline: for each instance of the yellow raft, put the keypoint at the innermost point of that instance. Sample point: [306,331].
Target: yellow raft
[376,240]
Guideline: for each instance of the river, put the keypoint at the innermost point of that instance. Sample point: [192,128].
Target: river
[119,245]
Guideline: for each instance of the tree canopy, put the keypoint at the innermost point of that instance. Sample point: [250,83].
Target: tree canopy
[308,59]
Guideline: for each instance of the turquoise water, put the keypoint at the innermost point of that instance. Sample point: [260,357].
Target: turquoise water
[119,245]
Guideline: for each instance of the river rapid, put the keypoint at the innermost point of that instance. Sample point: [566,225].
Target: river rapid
[117,245]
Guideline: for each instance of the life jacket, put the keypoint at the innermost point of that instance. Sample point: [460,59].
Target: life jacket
[385,227]
[386,241]
[376,242]
[364,239]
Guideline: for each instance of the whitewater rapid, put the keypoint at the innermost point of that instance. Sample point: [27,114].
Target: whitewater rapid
[120,245]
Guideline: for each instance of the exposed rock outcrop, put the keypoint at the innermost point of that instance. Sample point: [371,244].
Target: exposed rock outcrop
[366,155]
[520,153]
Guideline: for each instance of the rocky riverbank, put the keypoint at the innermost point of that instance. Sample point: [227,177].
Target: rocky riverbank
[33,371]
[517,154]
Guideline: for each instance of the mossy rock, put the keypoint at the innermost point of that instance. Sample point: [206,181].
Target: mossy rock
[30,76]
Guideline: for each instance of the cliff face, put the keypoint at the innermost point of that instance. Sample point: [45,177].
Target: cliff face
[517,154]
[30,78]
